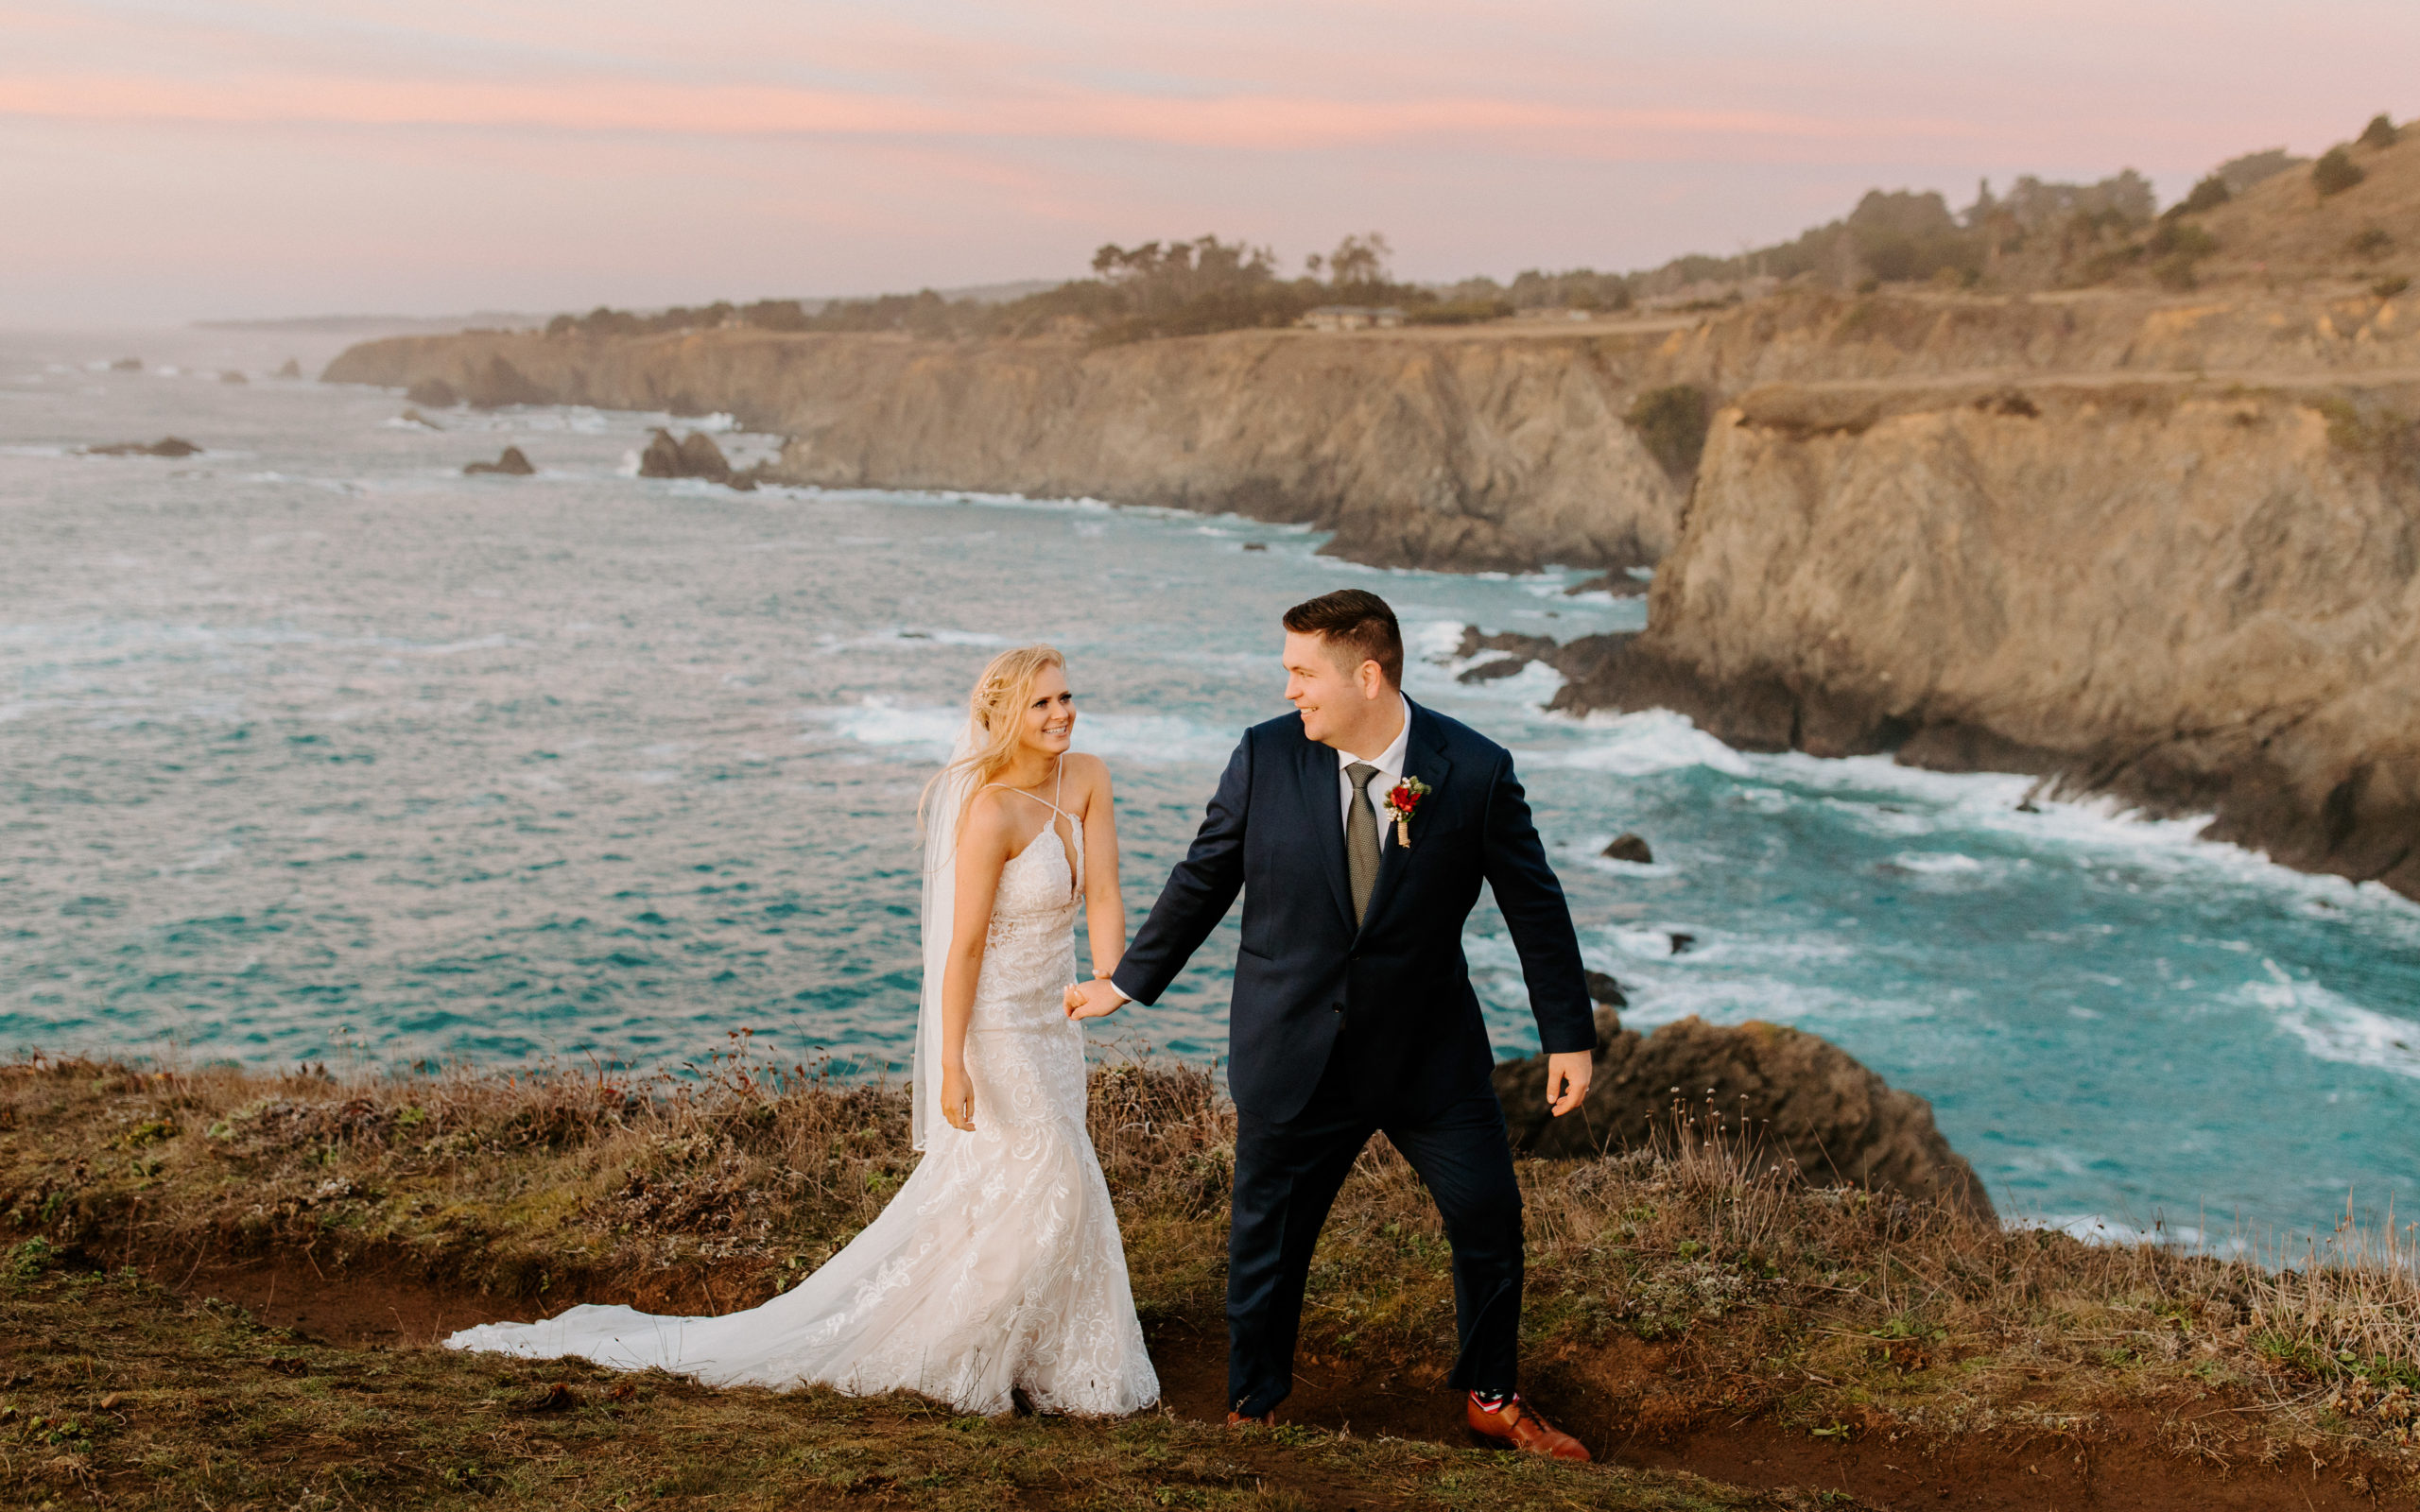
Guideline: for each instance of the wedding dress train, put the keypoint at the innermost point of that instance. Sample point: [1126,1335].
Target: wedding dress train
[997,1267]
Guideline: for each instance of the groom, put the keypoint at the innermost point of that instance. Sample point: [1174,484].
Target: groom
[1359,832]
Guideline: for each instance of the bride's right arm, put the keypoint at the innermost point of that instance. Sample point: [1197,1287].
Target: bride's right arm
[982,851]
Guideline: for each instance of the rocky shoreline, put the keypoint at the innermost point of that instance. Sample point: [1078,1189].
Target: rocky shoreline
[1482,454]
[2164,546]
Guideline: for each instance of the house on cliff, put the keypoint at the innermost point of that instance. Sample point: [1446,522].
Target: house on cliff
[1351,316]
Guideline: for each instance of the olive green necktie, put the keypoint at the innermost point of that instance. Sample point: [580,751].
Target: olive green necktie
[1361,839]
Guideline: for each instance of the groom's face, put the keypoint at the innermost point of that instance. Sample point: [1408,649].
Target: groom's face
[1332,697]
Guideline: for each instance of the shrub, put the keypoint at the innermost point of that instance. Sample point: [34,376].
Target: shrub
[1460,312]
[2175,238]
[1672,424]
[2209,194]
[2380,132]
[2371,242]
[2387,288]
[2335,172]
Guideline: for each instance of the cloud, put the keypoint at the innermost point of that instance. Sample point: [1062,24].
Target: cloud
[1248,123]
[203,155]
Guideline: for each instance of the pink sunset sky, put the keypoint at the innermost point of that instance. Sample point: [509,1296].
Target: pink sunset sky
[163,160]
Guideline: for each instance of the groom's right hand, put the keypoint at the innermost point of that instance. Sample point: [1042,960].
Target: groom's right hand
[1094,1000]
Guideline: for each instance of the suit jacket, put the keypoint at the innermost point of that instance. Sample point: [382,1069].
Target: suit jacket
[1396,990]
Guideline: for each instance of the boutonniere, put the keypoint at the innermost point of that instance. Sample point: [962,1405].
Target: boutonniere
[1403,803]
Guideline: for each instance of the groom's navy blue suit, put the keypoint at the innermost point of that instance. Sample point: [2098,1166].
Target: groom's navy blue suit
[1337,1032]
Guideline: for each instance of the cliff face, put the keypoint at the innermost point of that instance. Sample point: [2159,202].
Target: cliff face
[1415,450]
[2161,544]
[2199,595]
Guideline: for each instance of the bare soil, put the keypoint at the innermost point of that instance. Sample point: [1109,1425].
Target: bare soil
[2122,1465]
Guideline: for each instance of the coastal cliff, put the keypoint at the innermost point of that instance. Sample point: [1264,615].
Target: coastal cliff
[1416,451]
[2157,537]
[2199,596]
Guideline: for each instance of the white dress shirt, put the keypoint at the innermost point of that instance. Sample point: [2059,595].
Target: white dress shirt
[1390,765]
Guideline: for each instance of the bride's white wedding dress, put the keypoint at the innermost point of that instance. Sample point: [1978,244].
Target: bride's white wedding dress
[997,1267]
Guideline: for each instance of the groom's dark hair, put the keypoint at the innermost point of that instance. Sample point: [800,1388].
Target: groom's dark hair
[1357,622]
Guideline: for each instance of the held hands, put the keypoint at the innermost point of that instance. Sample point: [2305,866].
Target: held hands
[1092,1000]
[1567,1073]
[958,1096]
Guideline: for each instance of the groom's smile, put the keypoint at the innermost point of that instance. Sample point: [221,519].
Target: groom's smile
[1345,704]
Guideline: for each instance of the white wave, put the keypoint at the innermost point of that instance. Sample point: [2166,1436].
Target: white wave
[1655,740]
[2333,1027]
[1528,688]
[1431,640]
[1117,736]
[878,722]
[1937,863]
[484,642]
[1153,738]
[1647,944]
[2106,1229]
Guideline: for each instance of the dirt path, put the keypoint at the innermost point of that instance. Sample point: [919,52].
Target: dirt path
[2123,1468]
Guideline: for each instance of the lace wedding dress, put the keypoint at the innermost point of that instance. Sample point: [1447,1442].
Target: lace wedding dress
[997,1267]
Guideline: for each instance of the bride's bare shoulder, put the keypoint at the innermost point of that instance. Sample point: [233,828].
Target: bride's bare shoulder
[988,821]
[1087,773]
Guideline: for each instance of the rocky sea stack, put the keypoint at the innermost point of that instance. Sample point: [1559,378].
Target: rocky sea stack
[511,464]
[165,446]
[1768,1091]
[695,456]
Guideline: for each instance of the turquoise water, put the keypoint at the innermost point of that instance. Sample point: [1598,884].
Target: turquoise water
[312,748]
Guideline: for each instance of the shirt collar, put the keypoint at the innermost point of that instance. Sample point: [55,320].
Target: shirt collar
[1391,760]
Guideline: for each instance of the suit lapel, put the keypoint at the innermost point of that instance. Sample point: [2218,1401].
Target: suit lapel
[1323,811]
[1423,757]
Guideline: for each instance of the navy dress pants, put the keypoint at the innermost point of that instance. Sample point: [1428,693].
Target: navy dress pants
[1286,1177]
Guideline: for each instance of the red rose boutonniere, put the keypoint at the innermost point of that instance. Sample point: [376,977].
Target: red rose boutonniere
[1403,802]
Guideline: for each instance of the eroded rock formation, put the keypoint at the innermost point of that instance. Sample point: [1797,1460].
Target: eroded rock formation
[165,446]
[694,456]
[2201,594]
[511,464]
[1415,450]
[1787,1097]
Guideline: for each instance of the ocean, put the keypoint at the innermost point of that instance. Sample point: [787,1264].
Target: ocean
[314,751]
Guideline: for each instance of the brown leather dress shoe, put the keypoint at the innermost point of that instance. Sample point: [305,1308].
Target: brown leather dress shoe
[1515,1426]
[1267,1419]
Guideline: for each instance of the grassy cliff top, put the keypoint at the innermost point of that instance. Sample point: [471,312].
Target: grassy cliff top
[1692,1311]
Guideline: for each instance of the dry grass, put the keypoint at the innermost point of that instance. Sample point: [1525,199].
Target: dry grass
[115,1393]
[1682,1287]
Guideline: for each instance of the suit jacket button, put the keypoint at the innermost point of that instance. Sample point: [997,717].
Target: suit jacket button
[1335,1008]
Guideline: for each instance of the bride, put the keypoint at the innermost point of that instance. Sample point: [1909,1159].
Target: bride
[998,1267]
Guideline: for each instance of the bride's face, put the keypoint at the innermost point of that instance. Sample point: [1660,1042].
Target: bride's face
[1049,721]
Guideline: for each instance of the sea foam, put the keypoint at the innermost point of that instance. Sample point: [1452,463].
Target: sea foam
[2332,1026]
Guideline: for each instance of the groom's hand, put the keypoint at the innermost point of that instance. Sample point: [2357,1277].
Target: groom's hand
[1567,1073]
[1092,1000]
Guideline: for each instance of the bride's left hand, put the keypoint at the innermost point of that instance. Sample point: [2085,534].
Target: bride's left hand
[958,1098]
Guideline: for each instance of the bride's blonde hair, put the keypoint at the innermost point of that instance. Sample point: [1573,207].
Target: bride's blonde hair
[996,708]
